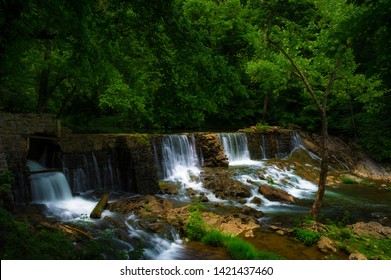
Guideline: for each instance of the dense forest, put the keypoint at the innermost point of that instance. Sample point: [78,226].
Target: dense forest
[158,66]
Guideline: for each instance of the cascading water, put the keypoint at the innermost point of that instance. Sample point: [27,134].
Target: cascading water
[90,174]
[179,161]
[48,186]
[235,146]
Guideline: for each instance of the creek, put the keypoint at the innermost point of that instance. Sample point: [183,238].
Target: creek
[179,161]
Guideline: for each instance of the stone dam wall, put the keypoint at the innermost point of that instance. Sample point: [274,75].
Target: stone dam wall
[120,162]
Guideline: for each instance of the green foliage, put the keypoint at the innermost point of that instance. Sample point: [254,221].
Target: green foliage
[18,241]
[348,242]
[214,238]
[194,64]
[348,180]
[239,249]
[307,236]
[195,228]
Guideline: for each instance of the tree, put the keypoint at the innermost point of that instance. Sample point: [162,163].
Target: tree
[318,57]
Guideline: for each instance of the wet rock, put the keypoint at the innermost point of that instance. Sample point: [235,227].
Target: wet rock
[273,193]
[249,211]
[256,200]
[142,206]
[168,188]
[212,150]
[326,245]
[357,256]
[375,229]
[190,192]
[225,187]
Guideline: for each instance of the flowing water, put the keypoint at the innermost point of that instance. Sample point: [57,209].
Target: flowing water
[179,163]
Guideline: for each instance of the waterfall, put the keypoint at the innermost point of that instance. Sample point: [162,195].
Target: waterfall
[48,186]
[177,161]
[235,147]
[178,155]
[86,172]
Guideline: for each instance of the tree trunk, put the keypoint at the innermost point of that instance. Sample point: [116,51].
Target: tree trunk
[324,167]
[97,212]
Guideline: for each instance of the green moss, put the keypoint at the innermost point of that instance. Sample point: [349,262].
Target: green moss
[141,139]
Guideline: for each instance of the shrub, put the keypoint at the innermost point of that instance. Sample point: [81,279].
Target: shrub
[196,228]
[347,180]
[307,236]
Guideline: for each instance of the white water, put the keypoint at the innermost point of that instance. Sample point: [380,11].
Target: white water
[236,149]
[50,186]
[156,247]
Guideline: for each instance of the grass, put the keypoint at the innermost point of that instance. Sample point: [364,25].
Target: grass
[347,180]
[238,249]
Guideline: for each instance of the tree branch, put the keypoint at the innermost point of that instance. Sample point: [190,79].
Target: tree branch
[297,69]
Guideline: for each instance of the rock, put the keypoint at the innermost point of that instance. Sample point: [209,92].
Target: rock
[256,200]
[273,193]
[375,229]
[249,211]
[168,188]
[280,232]
[326,245]
[274,227]
[357,256]
[212,150]
[190,192]
[224,186]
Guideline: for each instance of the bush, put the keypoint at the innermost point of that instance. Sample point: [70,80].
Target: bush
[347,180]
[196,228]
[307,236]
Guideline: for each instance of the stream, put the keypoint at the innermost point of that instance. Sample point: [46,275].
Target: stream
[181,164]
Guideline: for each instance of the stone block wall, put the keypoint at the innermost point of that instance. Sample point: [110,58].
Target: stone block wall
[104,161]
[270,144]
[15,130]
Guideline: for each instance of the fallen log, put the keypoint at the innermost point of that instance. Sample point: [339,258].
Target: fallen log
[97,212]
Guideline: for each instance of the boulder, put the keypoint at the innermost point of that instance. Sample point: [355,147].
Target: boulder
[249,211]
[375,229]
[357,256]
[326,245]
[224,186]
[274,193]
